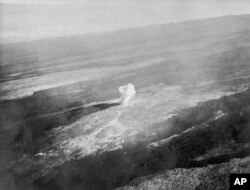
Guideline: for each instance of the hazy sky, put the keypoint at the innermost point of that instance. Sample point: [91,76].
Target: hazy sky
[23,20]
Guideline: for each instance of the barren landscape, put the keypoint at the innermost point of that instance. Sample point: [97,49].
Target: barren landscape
[187,124]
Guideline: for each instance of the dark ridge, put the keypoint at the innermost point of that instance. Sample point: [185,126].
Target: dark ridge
[220,159]
[103,106]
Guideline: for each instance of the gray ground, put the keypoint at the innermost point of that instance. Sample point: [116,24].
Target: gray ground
[189,119]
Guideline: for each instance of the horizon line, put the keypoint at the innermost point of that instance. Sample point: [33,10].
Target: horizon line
[124,29]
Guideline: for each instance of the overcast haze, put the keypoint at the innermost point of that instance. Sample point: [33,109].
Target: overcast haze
[26,20]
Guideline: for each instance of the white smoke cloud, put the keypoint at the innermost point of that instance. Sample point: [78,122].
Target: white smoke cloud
[126,92]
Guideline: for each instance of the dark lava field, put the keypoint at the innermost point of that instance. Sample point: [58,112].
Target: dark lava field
[187,126]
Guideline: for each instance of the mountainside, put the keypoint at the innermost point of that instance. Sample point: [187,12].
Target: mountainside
[210,177]
[65,127]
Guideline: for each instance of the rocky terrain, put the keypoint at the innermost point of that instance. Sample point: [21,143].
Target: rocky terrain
[187,124]
[210,177]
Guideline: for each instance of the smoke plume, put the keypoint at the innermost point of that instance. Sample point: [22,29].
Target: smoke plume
[126,92]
